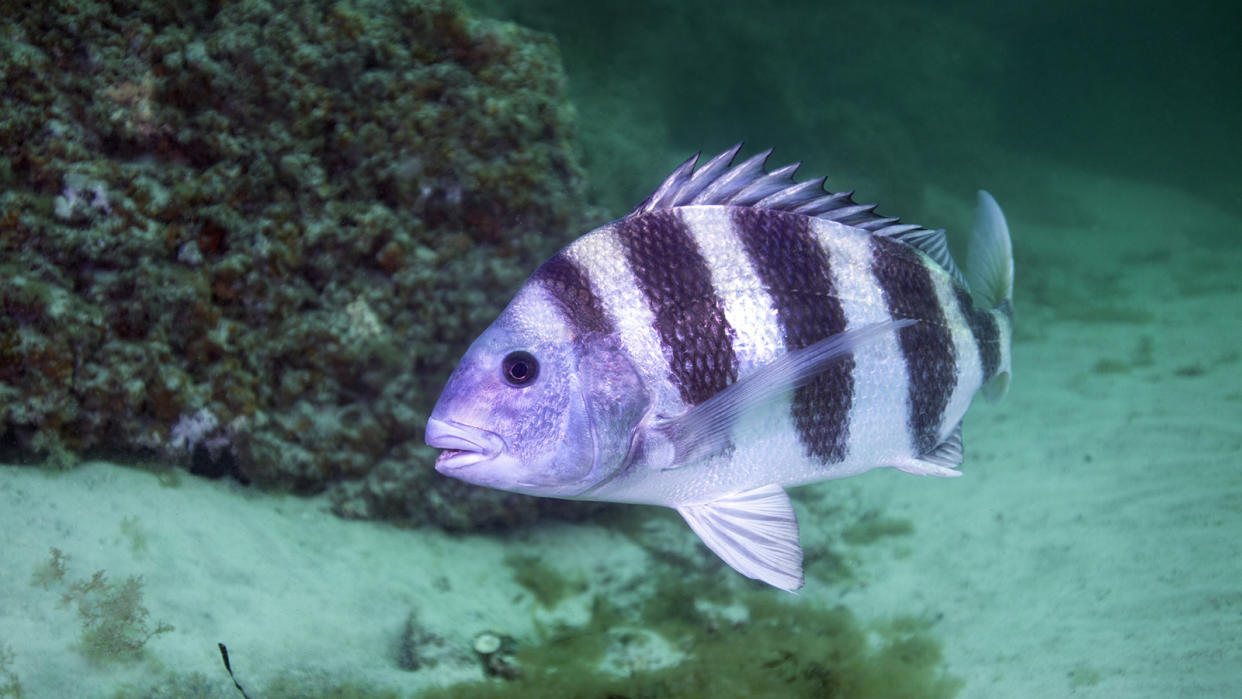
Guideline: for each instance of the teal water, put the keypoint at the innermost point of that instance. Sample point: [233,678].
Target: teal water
[923,91]
[303,251]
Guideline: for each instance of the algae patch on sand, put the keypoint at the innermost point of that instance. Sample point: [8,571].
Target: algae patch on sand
[771,646]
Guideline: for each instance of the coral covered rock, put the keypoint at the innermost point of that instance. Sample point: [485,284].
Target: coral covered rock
[259,236]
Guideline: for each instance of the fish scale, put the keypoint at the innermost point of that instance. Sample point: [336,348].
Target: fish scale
[796,272]
[736,334]
[909,292]
[572,291]
[674,279]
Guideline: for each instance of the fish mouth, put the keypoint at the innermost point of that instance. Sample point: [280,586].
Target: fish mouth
[463,445]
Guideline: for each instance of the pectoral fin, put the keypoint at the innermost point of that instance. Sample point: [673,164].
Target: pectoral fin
[705,429]
[755,532]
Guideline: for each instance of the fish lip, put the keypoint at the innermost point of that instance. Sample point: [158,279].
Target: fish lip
[464,445]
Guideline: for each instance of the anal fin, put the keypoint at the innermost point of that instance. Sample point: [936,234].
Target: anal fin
[941,461]
[755,532]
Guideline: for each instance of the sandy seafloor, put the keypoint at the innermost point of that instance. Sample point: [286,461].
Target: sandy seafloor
[1093,547]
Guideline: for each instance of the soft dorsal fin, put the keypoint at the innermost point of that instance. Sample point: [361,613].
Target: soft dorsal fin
[748,183]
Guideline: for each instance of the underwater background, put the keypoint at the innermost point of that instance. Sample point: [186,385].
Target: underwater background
[242,245]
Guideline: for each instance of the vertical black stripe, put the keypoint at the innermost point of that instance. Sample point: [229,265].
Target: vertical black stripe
[689,317]
[985,331]
[931,362]
[571,289]
[795,270]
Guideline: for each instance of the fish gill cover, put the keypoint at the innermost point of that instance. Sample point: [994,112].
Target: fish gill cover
[254,236]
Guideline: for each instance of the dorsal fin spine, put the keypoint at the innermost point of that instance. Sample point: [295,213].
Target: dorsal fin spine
[797,192]
[733,180]
[824,203]
[765,187]
[719,182]
[705,175]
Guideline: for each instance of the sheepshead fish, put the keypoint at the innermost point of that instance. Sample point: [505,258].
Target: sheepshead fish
[736,334]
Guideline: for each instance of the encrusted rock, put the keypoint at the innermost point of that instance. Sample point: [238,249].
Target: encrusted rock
[292,218]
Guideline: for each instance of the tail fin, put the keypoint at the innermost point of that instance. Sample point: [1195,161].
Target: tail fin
[989,260]
[989,272]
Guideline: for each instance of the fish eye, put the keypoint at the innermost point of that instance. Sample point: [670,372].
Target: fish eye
[519,368]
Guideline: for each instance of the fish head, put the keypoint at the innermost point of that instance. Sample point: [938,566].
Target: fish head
[532,408]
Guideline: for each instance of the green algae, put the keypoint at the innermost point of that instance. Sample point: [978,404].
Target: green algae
[872,528]
[10,685]
[693,628]
[781,647]
[542,580]
[114,621]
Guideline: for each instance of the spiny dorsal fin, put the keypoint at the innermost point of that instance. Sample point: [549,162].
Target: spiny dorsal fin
[748,183]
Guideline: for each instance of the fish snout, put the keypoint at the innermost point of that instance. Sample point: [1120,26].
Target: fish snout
[463,445]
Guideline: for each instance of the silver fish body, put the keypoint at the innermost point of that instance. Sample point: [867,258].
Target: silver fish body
[736,334]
